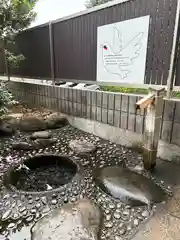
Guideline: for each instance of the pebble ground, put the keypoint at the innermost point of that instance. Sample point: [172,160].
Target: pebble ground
[18,211]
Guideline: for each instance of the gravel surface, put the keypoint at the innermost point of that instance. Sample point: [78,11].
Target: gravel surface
[20,211]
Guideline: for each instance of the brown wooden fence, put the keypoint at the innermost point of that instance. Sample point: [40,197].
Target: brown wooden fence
[74,41]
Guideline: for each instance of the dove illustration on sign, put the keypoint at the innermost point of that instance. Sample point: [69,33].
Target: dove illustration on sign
[119,57]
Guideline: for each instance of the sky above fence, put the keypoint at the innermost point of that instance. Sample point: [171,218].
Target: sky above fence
[53,9]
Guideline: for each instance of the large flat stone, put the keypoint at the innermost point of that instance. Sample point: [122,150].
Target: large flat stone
[41,134]
[162,226]
[80,221]
[81,146]
[127,186]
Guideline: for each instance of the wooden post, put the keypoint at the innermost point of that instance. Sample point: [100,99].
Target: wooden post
[152,129]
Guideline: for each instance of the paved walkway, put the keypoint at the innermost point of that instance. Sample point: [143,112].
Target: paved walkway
[165,224]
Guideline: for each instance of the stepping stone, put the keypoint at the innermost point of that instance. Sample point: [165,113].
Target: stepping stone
[82,146]
[41,134]
[80,220]
[22,146]
[44,142]
[127,186]
[162,226]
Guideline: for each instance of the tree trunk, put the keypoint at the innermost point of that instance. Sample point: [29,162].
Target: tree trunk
[6,65]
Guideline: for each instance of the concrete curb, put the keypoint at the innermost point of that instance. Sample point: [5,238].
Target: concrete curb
[123,137]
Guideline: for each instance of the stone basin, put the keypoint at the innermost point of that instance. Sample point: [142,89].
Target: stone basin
[41,173]
[127,186]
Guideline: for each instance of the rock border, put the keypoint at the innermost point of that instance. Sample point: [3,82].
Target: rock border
[7,183]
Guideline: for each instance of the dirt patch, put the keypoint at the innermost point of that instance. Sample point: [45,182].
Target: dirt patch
[29,112]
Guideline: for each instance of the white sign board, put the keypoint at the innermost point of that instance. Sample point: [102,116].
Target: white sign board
[121,51]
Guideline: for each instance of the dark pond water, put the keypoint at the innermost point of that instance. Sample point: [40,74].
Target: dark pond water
[42,173]
[41,178]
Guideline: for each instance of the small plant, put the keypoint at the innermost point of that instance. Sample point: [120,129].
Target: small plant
[6,99]
[124,89]
[14,60]
[15,16]
[93,3]
[139,91]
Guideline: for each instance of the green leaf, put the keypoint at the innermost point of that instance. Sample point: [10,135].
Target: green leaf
[6,99]
[15,16]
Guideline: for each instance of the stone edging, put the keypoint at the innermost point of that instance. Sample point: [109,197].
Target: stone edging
[123,137]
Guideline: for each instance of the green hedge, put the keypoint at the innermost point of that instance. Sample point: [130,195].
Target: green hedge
[6,98]
[124,90]
[132,90]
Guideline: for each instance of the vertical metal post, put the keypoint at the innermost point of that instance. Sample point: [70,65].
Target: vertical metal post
[51,51]
[173,53]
